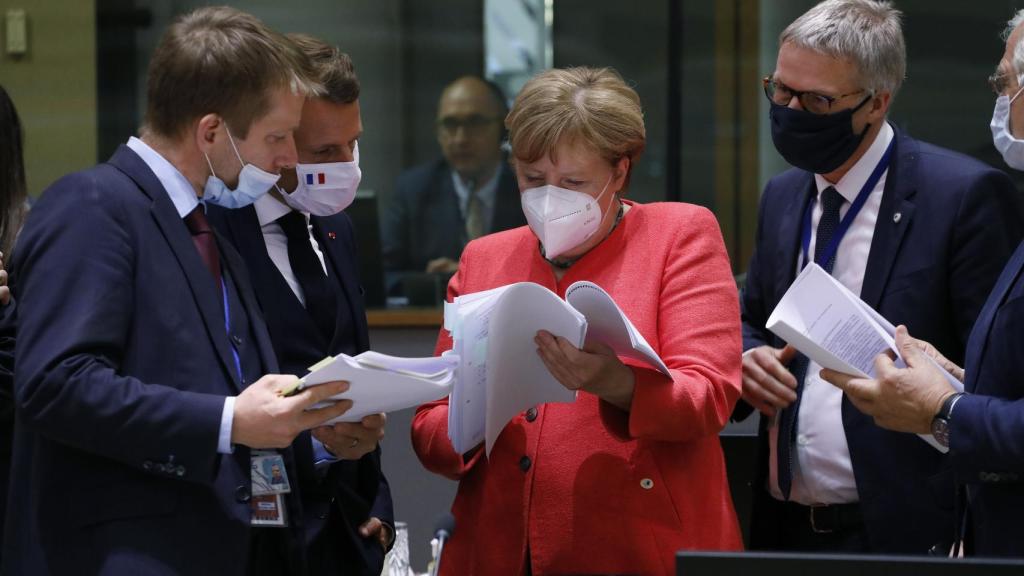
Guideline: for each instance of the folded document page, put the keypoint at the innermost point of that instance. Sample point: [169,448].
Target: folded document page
[830,325]
[382,383]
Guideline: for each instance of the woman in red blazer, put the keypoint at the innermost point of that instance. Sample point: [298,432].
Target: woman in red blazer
[632,471]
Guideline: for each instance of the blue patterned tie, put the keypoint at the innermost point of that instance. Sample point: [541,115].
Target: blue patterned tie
[831,202]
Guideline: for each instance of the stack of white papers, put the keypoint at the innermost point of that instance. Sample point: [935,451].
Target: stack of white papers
[500,372]
[382,383]
[830,325]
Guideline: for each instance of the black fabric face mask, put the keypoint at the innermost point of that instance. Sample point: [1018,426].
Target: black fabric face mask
[813,142]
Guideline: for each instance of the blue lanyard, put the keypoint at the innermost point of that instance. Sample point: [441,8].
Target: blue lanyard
[847,221]
[227,329]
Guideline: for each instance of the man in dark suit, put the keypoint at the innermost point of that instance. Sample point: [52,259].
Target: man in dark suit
[142,388]
[984,426]
[439,206]
[920,233]
[343,460]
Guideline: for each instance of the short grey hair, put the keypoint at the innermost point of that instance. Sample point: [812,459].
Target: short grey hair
[868,33]
[1018,50]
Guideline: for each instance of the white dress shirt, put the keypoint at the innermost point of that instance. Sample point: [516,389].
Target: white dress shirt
[268,210]
[822,471]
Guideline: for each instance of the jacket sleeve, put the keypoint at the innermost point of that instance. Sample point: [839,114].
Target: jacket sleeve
[753,308]
[987,436]
[74,272]
[699,337]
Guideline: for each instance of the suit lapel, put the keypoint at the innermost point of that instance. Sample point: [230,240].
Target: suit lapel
[978,339]
[243,283]
[334,242]
[789,232]
[894,217]
[246,231]
[208,298]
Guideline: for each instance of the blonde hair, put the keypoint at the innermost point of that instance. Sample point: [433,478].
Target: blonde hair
[590,106]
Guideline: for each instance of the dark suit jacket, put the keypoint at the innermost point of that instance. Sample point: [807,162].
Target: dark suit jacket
[355,489]
[123,366]
[423,220]
[8,328]
[987,436]
[931,269]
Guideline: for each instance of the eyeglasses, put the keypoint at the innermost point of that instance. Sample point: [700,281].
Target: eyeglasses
[999,81]
[812,102]
[473,123]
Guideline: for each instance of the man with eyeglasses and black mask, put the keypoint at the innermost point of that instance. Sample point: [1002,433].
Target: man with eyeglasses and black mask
[440,206]
[918,232]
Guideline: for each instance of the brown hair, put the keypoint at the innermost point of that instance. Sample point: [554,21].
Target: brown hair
[223,61]
[12,174]
[592,106]
[333,69]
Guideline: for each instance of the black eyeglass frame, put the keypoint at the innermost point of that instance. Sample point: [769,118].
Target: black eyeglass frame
[822,107]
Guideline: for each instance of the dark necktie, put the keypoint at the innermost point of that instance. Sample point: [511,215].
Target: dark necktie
[474,215]
[831,202]
[321,302]
[204,240]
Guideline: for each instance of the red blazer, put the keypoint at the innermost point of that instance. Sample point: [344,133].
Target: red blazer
[586,487]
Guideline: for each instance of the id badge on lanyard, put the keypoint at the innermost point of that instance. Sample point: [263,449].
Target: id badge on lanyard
[269,484]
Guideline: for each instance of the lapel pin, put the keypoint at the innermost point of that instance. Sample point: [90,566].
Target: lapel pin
[896,217]
[332,235]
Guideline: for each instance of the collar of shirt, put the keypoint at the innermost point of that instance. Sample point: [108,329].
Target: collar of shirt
[269,209]
[486,193]
[182,194]
[851,182]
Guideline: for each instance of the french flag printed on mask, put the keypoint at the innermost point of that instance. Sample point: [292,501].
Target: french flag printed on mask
[317,178]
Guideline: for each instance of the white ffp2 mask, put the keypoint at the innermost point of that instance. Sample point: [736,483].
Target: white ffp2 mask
[562,219]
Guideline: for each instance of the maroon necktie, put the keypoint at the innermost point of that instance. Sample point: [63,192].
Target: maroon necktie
[206,244]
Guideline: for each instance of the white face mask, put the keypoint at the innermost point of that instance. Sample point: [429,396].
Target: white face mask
[562,219]
[325,189]
[1010,147]
[252,183]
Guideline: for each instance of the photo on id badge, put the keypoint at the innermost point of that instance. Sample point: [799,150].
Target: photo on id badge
[269,475]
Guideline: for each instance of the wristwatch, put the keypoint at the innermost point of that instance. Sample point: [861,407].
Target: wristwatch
[940,423]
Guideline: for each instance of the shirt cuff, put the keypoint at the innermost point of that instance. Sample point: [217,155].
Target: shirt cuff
[320,453]
[227,418]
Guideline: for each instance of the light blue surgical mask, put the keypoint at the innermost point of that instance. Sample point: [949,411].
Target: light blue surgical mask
[1010,147]
[252,183]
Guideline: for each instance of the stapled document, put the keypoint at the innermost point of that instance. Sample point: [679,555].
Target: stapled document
[830,325]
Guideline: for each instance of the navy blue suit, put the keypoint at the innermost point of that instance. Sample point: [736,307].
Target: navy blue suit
[987,435]
[123,364]
[355,489]
[424,222]
[930,268]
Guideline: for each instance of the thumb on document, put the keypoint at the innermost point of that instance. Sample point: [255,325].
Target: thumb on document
[785,355]
[908,347]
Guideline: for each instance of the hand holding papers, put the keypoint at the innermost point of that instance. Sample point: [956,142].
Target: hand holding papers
[828,323]
[382,383]
[500,374]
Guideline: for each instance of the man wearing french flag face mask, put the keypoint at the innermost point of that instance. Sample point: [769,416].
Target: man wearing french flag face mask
[299,247]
